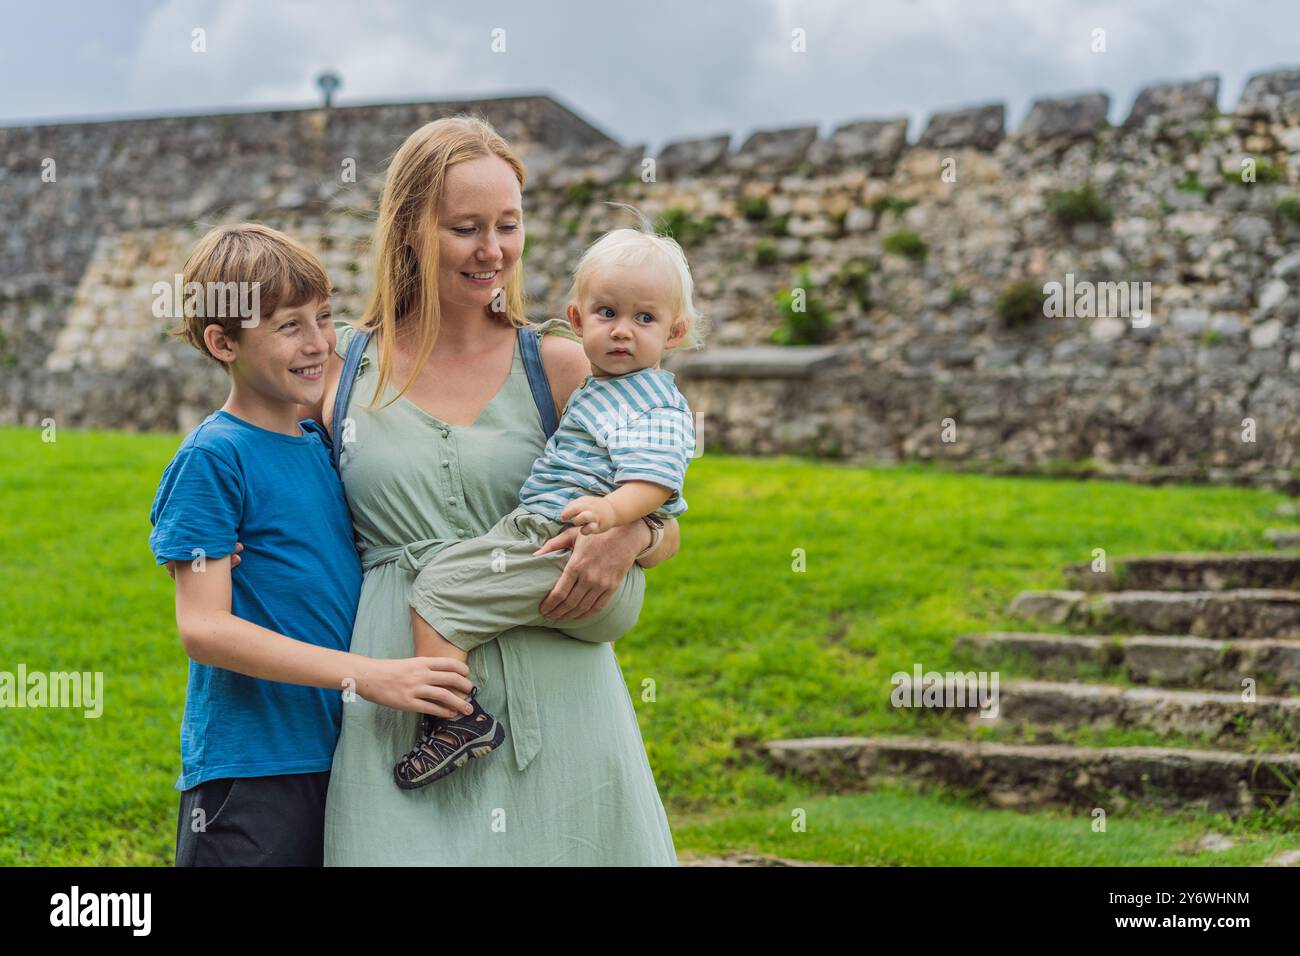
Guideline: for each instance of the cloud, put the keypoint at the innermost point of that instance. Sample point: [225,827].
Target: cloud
[644,72]
[259,53]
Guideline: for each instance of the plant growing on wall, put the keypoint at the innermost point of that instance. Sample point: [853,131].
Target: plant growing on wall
[580,193]
[1019,304]
[1288,207]
[805,318]
[855,278]
[906,243]
[755,208]
[1074,206]
[680,225]
[765,253]
[883,204]
[1263,170]
[1191,183]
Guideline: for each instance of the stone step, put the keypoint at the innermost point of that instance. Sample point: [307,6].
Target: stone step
[1163,661]
[1238,613]
[1282,537]
[1022,775]
[1225,719]
[1189,572]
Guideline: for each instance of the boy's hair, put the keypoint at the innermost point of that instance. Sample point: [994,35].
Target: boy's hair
[286,273]
[635,247]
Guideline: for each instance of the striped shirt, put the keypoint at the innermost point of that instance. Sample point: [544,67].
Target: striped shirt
[634,427]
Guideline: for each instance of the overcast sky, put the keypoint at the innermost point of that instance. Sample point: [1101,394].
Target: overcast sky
[645,72]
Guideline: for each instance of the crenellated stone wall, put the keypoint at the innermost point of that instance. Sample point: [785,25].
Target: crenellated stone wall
[919,358]
[78,339]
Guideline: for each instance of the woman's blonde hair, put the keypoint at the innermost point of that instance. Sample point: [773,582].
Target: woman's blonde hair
[405,281]
[639,247]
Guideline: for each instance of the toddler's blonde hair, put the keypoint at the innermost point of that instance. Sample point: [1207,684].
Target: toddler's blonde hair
[637,247]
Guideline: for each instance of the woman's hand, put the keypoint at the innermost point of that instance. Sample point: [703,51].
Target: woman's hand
[594,571]
[425,685]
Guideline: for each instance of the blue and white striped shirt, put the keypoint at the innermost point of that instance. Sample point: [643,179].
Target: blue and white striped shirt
[634,427]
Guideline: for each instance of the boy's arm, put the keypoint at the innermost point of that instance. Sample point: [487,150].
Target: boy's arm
[212,635]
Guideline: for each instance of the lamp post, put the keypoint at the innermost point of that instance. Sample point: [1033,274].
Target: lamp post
[328,83]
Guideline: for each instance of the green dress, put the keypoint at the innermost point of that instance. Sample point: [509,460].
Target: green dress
[571,785]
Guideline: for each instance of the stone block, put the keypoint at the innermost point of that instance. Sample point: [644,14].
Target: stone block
[687,157]
[1175,102]
[981,127]
[1065,118]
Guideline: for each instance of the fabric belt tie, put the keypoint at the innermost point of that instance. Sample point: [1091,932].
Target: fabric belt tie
[516,665]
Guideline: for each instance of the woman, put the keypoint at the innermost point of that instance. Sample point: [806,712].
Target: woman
[440,457]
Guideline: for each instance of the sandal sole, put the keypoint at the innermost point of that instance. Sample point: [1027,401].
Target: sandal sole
[454,763]
[498,737]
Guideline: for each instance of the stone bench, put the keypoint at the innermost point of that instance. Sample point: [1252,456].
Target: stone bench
[757,361]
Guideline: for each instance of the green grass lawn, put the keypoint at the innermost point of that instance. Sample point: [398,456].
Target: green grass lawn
[737,643]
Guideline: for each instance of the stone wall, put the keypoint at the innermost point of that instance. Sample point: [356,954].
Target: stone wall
[919,360]
[78,340]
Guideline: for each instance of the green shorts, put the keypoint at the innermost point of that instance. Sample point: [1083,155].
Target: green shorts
[473,590]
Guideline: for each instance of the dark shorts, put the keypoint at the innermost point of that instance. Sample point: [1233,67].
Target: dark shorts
[254,821]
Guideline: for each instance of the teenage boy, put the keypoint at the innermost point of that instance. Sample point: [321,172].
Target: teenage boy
[268,645]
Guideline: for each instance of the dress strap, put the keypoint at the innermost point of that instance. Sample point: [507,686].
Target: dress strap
[537,381]
[347,378]
[529,348]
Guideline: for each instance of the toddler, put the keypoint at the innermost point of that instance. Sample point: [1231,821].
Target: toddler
[618,456]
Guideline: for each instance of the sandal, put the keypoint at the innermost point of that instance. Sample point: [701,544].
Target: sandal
[475,734]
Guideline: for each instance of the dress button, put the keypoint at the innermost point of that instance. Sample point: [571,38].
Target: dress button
[451,501]
[446,464]
[461,532]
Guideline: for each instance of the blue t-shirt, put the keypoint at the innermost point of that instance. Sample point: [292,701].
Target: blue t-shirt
[299,575]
